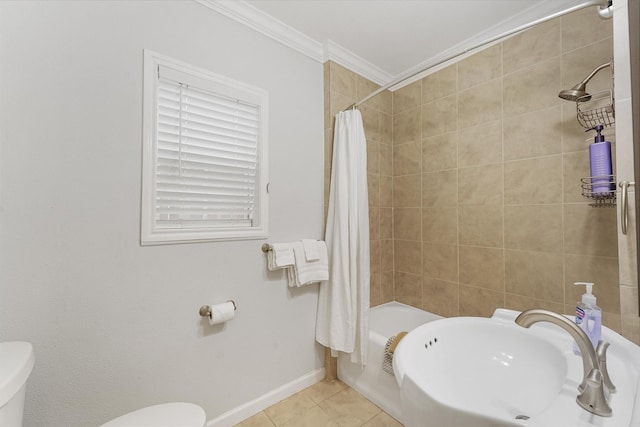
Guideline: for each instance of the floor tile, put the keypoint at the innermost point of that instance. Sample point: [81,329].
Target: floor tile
[258,420]
[324,390]
[289,408]
[313,417]
[382,420]
[349,409]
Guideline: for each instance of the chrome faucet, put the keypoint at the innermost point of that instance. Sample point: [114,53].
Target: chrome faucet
[591,395]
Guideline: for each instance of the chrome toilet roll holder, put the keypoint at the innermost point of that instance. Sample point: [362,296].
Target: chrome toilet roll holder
[205,310]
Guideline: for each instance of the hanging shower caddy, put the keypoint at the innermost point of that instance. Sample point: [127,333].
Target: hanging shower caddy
[591,111]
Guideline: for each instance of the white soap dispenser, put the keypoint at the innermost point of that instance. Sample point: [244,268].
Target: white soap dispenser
[588,316]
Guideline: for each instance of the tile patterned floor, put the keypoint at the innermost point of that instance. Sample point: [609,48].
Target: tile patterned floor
[325,404]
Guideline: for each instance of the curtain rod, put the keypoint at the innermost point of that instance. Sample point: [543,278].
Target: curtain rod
[604,4]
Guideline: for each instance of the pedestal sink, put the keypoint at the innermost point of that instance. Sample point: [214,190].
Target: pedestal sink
[489,372]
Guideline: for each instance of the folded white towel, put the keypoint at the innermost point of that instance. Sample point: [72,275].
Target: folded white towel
[303,272]
[311,249]
[280,256]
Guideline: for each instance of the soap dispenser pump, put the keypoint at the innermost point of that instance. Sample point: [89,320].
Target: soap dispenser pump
[588,316]
[600,164]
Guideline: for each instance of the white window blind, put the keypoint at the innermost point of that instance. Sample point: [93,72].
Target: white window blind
[207,158]
[208,165]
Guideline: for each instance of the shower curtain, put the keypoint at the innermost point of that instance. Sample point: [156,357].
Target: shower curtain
[342,322]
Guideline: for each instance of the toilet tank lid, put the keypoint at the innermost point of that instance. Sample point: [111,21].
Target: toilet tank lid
[16,364]
[174,414]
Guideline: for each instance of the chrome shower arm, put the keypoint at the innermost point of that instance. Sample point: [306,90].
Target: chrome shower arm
[595,71]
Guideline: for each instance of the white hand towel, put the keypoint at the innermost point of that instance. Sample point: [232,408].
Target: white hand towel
[280,256]
[311,249]
[303,272]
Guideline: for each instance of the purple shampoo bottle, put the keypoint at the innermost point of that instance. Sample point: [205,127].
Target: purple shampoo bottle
[600,164]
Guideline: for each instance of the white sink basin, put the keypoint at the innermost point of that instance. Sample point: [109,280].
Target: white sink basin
[477,372]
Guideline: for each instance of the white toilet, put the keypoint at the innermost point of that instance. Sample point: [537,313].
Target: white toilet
[175,414]
[16,364]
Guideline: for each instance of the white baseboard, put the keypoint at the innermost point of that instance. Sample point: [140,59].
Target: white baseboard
[242,412]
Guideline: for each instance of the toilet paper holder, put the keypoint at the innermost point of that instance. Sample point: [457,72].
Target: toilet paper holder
[205,310]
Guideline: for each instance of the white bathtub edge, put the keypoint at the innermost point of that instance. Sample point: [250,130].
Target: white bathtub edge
[244,411]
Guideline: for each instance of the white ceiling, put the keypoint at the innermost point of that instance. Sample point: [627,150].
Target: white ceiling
[397,37]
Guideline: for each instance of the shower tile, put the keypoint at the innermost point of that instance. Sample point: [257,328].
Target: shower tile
[440,261]
[386,191]
[407,256]
[407,158]
[532,46]
[374,257]
[480,67]
[533,227]
[373,158]
[374,223]
[364,87]
[385,122]
[387,287]
[338,102]
[534,134]
[439,116]
[386,255]
[440,297]
[440,152]
[386,223]
[577,64]
[533,181]
[439,84]
[370,123]
[522,303]
[532,88]
[480,104]
[599,270]
[440,189]
[479,302]
[408,289]
[534,274]
[440,225]
[373,182]
[386,159]
[584,27]
[343,81]
[590,231]
[406,126]
[407,97]
[328,147]
[480,185]
[482,267]
[407,191]
[480,145]
[575,166]
[480,226]
[574,137]
[407,223]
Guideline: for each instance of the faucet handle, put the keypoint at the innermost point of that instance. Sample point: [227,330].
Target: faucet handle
[601,352]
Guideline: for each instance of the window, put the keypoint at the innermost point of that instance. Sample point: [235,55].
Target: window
[204,155]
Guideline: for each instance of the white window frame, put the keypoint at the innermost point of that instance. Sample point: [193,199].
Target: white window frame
[150,233]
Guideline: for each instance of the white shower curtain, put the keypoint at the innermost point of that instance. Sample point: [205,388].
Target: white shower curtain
[342,322]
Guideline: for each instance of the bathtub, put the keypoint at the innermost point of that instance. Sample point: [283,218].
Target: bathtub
[385,321]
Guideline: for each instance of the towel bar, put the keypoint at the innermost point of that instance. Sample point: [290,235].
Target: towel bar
[267,247]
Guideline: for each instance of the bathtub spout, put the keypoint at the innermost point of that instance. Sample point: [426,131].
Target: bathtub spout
[591,397]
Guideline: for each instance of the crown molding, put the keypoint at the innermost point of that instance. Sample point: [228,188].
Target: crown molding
[353,62]
[254,18]
[266,24]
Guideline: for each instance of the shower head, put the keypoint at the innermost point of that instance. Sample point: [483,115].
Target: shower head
[579,91]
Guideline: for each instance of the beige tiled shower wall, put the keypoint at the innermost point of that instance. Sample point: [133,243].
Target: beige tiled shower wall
[487,162]
[474,179]
[343,88]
